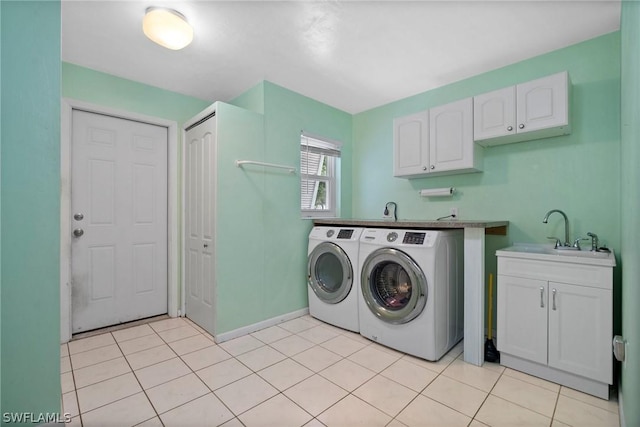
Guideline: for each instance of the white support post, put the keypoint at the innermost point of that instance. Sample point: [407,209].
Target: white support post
[474,295]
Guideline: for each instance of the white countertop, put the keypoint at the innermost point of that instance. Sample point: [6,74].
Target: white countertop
[544,252]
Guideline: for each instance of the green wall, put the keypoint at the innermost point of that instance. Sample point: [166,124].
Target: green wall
[106,90]
[241,288]
[577,173]
[285,234]
[630,209]
[30,207]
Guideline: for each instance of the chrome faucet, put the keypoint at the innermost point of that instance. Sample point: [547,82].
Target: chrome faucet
[594,241]
[566,226]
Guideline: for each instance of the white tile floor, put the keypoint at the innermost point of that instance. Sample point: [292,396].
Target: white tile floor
[300,373]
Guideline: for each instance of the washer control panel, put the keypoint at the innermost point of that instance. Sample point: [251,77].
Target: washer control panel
[345,233]
[411,238]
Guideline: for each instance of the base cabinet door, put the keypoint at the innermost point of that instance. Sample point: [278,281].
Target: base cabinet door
[522,318]
[580,321]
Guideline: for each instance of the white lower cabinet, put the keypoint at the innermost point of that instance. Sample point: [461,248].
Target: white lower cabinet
[558,331]
[522,318]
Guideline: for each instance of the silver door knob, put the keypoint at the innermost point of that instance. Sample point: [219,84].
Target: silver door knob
[78,216]
[521,126]
[509,128]
[78,232]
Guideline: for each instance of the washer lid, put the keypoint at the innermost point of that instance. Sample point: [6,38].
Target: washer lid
[330,273]
[393,286]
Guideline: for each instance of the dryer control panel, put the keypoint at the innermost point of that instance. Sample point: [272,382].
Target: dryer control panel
[345,233]
[412,238]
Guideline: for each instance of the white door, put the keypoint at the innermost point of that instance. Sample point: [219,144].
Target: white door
[200,185]
[522,318]
[494,114]
[411,144]
[119,220]
[542,103]
[580,330]
[451,136]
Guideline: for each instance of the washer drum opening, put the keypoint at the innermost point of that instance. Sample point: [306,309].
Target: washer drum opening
[330,273]
[393,286]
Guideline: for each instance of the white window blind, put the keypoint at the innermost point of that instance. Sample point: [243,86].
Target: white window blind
[318,176]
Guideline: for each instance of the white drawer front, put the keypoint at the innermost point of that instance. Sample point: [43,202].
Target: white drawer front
[578,274]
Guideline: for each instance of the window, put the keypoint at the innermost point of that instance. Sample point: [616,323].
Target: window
[319,161]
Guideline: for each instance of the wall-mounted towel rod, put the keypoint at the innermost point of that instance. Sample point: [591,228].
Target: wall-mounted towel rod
[239,164]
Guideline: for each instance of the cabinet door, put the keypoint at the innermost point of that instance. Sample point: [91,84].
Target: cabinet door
[580,330]
[543,103]
[494,114]
[411,144]
[451,136]
[522,318]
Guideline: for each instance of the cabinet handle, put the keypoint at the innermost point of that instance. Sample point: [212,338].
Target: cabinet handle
[521,126]
[509,128]
[432,167]
[424,168]
[554,299]
[541,297]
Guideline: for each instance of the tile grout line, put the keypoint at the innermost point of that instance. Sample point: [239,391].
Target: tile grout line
[117,400]
[318,345]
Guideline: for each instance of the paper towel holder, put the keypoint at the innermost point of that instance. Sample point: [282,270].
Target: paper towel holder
[437,192]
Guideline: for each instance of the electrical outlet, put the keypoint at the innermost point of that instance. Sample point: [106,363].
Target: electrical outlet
[453,212]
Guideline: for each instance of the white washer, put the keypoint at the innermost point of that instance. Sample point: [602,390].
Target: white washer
[411,291]
[334,275]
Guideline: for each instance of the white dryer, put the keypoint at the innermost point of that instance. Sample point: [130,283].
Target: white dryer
[334,276]
[411,291]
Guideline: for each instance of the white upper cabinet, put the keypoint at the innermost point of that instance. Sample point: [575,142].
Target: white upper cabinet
[531,110]
[436,142]
[451,146]
[494,114]
[411,144]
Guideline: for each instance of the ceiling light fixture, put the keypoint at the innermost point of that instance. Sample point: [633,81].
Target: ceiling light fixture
[167,27]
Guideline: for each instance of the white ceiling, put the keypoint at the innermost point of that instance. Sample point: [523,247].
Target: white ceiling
[353,55]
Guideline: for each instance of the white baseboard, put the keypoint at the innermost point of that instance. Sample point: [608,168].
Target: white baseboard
[260,325]
[623,421]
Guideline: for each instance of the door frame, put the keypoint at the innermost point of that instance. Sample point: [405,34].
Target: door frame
[173,205]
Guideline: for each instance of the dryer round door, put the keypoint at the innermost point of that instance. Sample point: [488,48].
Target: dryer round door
[330,272]
[393,286]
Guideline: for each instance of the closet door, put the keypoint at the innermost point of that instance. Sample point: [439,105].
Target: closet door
[200,186]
